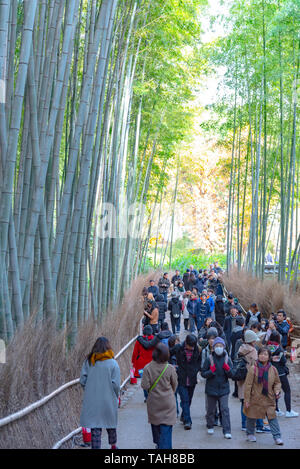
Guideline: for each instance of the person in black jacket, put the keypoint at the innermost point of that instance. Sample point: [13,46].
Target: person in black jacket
[175,307]
[192,282]
[162,308]
[164,285]
[186,278]
[219,310]
[236,334]
[176,278]
[278,360]
[217,370]
[153,289]
[188,365]
[229,324]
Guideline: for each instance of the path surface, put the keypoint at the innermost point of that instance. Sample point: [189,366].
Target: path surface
[134,431]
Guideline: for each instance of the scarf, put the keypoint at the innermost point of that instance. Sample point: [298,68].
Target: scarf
[188,354]
[263,376]
[102,356]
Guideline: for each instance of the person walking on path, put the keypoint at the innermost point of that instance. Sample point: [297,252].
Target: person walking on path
[160,382]
[193,309]
[180,290]
[186,278]
[188,365]
[153,289]
[262,388]
[282,327]
[253,315]
[219,310]
[217,371]
[164,285]
[278,360]
[248,352]
[141,355]
[162,309]
[230,324]
[175,307]
[204,311]
[204,329]
[185,313]
[152,314]
[100,379]
[176,279]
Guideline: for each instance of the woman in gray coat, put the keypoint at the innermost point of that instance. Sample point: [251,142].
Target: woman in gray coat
[100,378]
[160,381]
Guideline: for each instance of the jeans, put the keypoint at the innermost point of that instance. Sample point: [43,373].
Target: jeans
[274,427]
[186,395]
[244,418]
[145,394]
[175,322]
[162,436]
[211,412]
[165,295]
[192,324]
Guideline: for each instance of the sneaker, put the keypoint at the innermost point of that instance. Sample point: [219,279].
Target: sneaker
[279,413]
[291,414]
[251,438]
[263,430]
[279,441]
[187,426]
[244,429]
[210,431]
[227,436]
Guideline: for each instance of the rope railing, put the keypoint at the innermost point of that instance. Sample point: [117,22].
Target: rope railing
[35,405]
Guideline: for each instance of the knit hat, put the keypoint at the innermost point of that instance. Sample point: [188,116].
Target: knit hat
[250,336]
[212,331]
[218,340]
[148,330]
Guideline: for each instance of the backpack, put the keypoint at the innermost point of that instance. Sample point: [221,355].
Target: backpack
[165,341]
[176,309]
[239,369]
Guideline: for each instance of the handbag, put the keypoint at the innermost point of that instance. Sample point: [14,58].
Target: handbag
[155,382]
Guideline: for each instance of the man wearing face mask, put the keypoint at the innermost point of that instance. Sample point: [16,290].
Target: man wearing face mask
[217,371]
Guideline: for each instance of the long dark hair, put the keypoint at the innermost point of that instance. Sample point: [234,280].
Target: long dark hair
[218,327]
[100,346]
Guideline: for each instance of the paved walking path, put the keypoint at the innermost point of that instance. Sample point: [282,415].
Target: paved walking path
[134,431]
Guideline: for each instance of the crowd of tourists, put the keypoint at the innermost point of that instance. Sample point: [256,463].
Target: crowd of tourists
[221,344]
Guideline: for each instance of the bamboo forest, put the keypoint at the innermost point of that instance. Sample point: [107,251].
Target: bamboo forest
[142,135]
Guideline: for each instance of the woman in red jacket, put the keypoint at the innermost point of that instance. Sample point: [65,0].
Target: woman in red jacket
[140,356]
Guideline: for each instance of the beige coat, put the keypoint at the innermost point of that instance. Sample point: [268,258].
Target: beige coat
[250,354]
[261,405]
[161,404]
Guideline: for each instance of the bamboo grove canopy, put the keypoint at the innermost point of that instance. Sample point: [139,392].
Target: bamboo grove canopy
[93,103]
